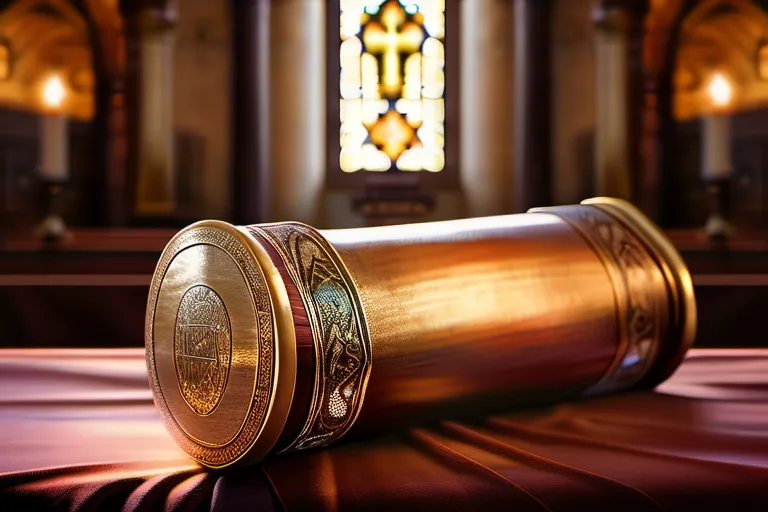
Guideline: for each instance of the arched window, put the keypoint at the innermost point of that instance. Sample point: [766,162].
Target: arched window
[392,89]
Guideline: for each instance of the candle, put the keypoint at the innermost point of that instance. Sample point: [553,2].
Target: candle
[53,133]
[716,157]
[716,132]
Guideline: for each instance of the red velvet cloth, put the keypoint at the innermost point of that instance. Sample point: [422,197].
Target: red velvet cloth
[78,430]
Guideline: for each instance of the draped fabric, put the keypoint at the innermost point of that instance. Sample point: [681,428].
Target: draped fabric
[78,430]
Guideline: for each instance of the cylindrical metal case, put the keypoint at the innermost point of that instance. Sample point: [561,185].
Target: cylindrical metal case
[279,337]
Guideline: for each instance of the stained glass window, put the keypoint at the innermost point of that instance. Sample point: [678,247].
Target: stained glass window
[392,85]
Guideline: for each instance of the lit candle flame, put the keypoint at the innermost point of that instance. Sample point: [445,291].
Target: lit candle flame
[53,92]
[720,90]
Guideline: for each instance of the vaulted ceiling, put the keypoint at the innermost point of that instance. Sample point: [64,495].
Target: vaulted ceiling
[721,36]
[46,37]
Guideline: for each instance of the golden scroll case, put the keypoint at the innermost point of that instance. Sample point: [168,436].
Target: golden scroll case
[262,338]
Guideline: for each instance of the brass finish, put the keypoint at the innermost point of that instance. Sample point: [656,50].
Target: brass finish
[344,349]
[252,408]
[279,337]
[680,285]
[202,348]
[636,280]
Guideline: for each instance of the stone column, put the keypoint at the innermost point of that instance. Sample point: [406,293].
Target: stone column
[297,100]
[619,95]
[486,106]
[250,110]
[532,112]
[149,98]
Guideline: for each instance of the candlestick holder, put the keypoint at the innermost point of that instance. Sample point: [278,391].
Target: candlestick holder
[718,226]
[52,228]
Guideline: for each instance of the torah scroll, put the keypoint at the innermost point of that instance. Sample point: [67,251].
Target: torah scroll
[275,337]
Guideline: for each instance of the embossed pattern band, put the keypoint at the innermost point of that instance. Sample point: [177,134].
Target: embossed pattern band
[632,270]
[342,341]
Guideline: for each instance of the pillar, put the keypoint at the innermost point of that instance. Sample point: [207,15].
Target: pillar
[250,110]
[619,96]
[486,106]
[532,112]
[149,99]
[297,98]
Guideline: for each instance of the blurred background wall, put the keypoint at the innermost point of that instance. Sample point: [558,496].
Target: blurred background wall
[122,121]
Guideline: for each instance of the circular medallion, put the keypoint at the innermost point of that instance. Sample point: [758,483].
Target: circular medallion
[202,348]
[221,350]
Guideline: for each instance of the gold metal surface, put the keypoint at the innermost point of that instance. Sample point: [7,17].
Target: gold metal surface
[680,285]
[478,313]
[224,391]
[202,348]
[342,344]
[639,286]
[400,324]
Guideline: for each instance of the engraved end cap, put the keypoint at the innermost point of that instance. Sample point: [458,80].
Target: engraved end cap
[682,331]
[220,345]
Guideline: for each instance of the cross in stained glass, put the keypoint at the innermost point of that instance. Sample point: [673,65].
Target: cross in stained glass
[390,38]
[392,85]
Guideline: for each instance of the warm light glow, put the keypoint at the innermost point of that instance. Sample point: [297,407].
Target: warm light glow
[53,92]
[720,90]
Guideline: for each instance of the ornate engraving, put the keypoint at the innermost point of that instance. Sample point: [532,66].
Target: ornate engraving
[220,455]
[633,273]
[342,343]
[202,348]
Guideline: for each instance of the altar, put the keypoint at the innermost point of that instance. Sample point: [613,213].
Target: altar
[79,431]
[121,121]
